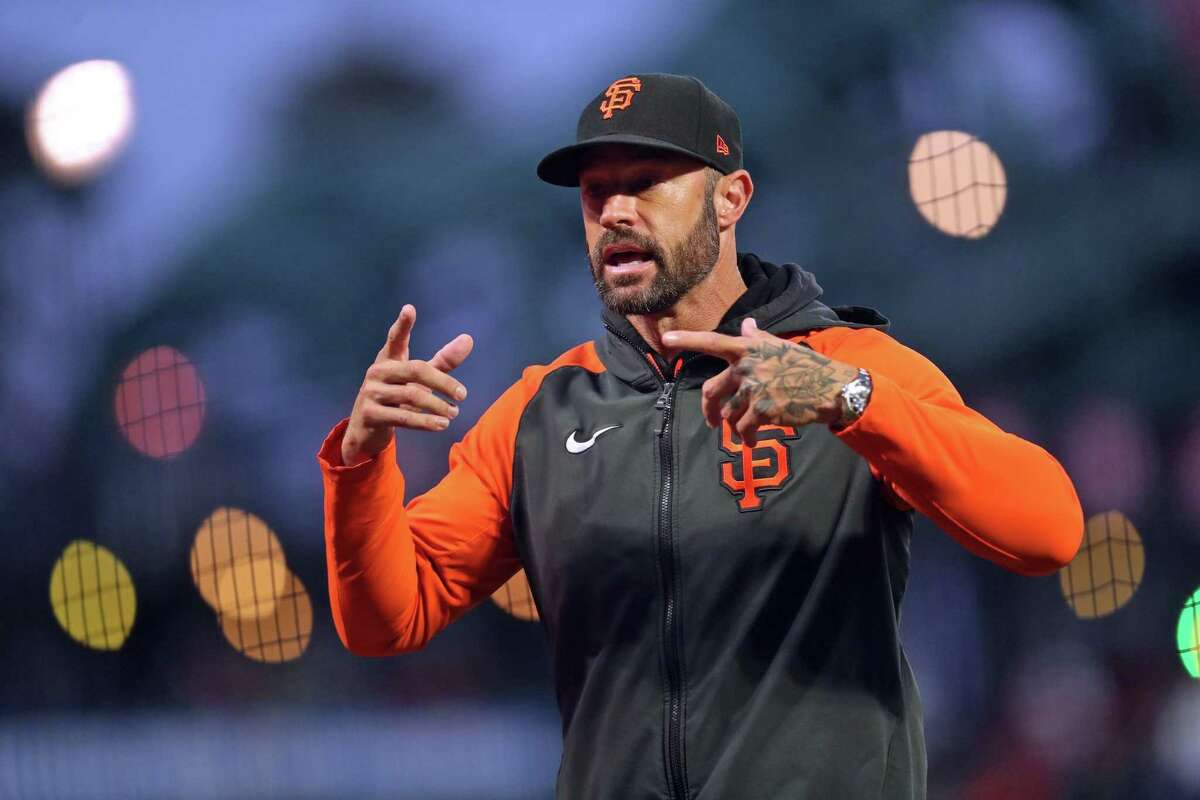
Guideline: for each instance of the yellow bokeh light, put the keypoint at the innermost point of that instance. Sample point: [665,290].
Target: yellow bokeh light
[80,120]
[1108,568]
[228,546]
[957,183]
[92,596]
[282,635]
[516,598]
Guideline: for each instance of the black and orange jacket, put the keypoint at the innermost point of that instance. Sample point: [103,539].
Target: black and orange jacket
[723,621]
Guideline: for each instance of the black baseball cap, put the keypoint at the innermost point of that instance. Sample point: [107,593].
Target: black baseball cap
[676,113]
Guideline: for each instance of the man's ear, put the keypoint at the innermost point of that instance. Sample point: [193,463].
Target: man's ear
[733,193]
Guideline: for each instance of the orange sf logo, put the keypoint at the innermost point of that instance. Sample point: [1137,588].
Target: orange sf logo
[619,95]
[755,469]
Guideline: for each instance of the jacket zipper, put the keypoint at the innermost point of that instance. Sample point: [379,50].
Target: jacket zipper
[677,782]
[666,565]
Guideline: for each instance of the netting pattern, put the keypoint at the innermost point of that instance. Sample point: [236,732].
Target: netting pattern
[957,183]
[1108,568]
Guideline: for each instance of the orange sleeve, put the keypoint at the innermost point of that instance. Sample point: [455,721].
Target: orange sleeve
[399,574]
[1001,497]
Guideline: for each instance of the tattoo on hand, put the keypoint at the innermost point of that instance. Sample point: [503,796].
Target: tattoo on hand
[789,382]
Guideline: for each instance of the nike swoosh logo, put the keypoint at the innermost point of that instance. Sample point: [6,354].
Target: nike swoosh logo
[576,446]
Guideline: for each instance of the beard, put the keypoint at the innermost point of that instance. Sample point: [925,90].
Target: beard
[675,273]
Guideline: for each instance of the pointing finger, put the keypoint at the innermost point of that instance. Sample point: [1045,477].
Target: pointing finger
[730,348]
[398,335]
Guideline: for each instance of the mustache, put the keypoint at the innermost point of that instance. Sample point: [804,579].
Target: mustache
[634,238]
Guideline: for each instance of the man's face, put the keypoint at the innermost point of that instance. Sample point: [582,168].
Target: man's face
[650,225]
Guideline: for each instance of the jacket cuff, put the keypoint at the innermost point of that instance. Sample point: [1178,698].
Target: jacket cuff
[330,458]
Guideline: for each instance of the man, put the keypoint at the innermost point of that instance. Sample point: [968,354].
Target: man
[713,503]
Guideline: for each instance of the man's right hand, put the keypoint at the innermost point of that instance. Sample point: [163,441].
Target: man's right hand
[399,392]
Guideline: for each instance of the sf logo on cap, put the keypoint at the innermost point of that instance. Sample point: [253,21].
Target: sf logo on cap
[619,95]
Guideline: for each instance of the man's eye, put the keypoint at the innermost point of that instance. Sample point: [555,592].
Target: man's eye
[642,184]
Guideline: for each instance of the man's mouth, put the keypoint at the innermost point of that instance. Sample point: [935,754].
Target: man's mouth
[626,258]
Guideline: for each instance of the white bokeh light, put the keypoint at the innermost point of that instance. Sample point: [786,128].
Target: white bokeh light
[80,120]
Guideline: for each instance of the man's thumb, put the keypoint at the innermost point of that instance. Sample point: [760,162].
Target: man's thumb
[453,353]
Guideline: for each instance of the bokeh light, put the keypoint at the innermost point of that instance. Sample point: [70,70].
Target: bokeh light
[92,596]
[1177,736]
[159,402]
[1110,454]
[282,635]
[1062,701]
[1108,568]
[80,120]
[957,183]
[237,564]
[239,568]
[1187,635]
[1187,474]
[253,586]
[516,598]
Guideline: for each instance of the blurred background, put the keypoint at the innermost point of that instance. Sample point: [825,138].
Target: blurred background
[211,213]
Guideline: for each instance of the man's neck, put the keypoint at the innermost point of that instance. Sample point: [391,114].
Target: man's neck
[700,309]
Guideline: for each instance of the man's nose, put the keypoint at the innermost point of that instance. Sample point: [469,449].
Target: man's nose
[619,209]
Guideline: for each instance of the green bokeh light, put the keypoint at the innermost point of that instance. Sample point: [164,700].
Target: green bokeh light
[1188,635]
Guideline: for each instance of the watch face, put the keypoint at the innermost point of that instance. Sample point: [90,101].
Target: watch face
[855,395]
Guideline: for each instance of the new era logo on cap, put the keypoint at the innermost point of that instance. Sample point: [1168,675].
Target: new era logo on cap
[673,113]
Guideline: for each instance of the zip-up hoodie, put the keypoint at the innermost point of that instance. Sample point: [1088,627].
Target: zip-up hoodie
[724,622]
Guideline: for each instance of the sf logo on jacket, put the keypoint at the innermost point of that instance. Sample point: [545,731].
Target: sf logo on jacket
[763,467]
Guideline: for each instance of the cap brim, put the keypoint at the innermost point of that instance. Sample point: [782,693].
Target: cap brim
[561,167]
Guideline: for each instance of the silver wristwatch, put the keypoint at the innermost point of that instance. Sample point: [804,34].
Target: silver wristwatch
[854,397]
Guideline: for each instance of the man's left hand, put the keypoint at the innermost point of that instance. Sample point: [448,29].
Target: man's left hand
[769,381]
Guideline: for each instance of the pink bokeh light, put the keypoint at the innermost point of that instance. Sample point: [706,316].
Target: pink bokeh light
[1187,470]
[159,403]
[1110,455]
